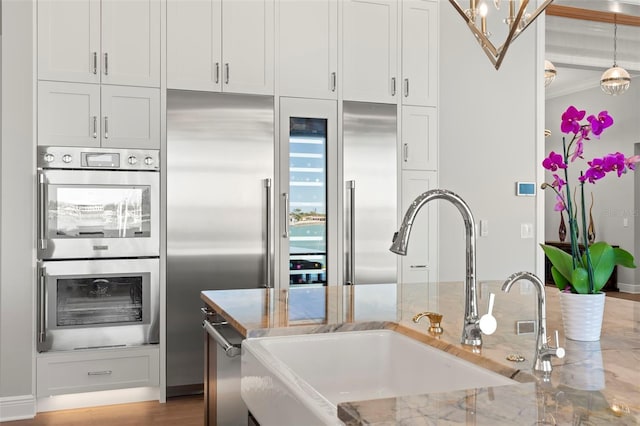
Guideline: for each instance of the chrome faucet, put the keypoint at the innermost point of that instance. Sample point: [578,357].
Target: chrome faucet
[471,334]
[544,352]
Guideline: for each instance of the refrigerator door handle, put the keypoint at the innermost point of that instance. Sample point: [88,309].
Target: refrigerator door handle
[267,185]
[351,271]
[285,216]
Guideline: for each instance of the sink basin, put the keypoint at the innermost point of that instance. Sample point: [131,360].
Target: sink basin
[299,380]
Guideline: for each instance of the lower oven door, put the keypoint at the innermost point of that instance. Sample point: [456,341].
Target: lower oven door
[98,304]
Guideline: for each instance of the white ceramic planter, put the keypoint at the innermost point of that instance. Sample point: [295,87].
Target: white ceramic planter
[582,315]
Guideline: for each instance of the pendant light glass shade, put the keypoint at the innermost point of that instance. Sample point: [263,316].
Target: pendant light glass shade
[549,72]
[615,80]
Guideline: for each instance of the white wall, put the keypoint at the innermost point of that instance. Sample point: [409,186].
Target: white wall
[613,196]
[16,214]
[487,143]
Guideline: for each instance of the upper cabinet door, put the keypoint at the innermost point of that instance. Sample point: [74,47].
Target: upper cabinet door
[369,50]
[130,117]
[69,40]
[68,114]
[248,46]
[131,42]
[194,45]
[308,48]
[419,52]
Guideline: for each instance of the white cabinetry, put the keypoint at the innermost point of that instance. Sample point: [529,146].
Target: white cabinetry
[369,50]
[419,138]
[73,372]
[308,48]
[93,41]
[216,45]
[419,52]
[77,114]
[420,264]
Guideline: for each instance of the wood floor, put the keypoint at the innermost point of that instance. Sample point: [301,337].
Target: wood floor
[179,411]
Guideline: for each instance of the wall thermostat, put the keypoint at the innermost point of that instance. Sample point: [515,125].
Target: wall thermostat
[525,189]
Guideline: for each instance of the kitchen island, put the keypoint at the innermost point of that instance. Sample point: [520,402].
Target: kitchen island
[596,383]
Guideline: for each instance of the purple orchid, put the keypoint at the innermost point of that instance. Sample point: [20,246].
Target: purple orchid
[599,123]
[558,182]
[571,120]
[553,162]
[560,205]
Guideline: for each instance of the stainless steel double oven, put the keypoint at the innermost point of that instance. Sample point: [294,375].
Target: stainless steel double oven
[98,248]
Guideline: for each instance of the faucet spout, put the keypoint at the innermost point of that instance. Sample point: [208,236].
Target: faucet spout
[471,334]
[544,352]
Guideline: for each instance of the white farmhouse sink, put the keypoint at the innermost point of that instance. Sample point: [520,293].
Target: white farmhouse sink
[299,380]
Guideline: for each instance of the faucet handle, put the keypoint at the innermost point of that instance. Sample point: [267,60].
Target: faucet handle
[560,352]
[488,323]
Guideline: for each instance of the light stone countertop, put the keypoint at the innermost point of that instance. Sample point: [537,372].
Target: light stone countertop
[586,387]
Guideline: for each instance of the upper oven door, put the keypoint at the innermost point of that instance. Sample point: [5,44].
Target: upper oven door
[87,214]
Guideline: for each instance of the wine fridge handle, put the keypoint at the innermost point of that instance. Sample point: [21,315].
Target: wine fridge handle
[285,215]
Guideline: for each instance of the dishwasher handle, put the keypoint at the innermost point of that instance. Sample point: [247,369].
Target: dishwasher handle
[229,349]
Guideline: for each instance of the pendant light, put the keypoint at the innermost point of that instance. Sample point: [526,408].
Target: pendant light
[549,72]
[615,80]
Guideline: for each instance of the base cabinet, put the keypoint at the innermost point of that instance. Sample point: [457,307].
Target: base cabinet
[73,372]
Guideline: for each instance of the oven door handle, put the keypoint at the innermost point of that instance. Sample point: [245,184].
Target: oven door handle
[229,349]
[42,208]
[42,310]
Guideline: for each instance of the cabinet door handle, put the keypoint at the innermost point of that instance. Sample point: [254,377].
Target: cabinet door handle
[95,126]
[226,72]
[106,127]
[406,87]
[217,72]
[95,62]
[419,266]
[99,373]
[393,86]
[333,81]
[405,152]
[106,64]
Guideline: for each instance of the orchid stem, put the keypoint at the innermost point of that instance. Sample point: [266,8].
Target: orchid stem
[585,238]
[575,251]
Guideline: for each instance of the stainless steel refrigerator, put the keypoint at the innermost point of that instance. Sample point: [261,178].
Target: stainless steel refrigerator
[370,175]
[220,156]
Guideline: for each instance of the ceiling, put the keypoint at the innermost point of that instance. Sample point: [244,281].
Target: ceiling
[582,50]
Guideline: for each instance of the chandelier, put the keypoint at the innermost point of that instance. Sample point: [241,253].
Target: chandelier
[615,80]
[508,22]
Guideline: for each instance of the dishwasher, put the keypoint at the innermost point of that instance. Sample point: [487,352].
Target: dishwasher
[223,404]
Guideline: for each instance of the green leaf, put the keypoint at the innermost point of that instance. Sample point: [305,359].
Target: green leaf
[624,258]
[560,259]
[580,280]
[603,262]
[559,279]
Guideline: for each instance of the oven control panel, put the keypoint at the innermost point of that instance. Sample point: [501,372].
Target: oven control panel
[52,157]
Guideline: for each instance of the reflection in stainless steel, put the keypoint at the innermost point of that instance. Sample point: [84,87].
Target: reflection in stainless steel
[220,150]
[369,148]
